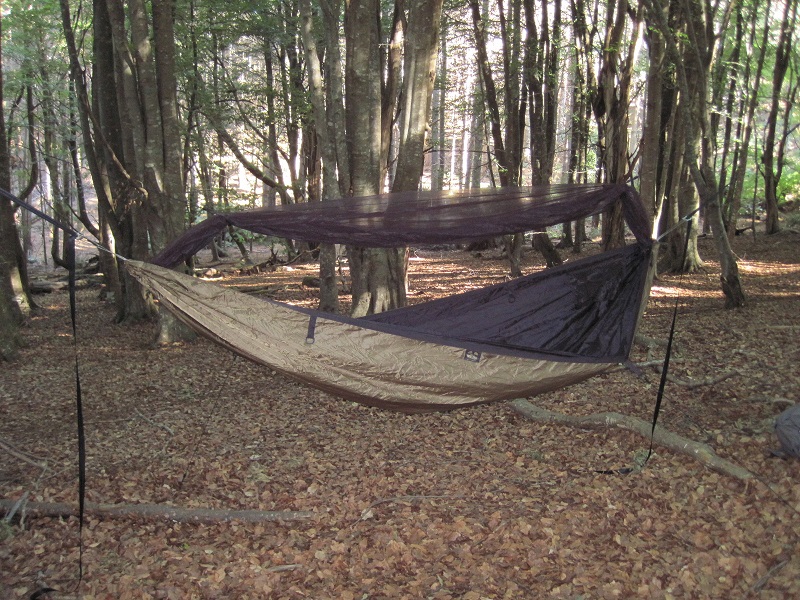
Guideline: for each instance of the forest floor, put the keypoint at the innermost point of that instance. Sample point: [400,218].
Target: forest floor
[474,503]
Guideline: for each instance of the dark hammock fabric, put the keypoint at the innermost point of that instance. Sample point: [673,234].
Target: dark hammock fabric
[586,310]
[519,338]
[420,218]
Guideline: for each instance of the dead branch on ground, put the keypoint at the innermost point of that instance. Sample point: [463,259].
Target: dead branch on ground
[697,450]
[22,455]
[158,511]
[153,423]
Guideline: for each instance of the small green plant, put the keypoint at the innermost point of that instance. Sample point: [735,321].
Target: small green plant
[640,458]
[6,531]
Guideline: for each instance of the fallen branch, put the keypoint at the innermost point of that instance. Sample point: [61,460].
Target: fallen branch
[770,399]
[153,423]
[23,456]
[15,507]
[649,342]
[159,511]
[697,450]
[659,362]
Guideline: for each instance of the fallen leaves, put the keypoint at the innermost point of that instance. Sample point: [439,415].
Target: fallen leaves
[473,504]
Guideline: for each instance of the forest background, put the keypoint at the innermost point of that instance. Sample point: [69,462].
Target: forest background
[131,120]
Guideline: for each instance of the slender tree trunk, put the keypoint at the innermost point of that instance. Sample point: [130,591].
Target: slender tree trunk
[650,188]
[439,129]
[506,136]
[699,163]
[329,288]
[369,268]
[11,312]
[541,68]
[783,53]
[15,304]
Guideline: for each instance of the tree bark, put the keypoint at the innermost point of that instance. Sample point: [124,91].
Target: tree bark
[12,305]
[368,267]
[747,112]
[612,108]
[379,275]
[329,288]
[506,135]
[700,163]
[783,53]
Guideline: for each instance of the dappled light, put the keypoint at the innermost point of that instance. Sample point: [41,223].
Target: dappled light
[392,496]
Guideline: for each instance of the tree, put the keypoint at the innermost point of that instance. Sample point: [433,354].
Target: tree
[14,305]
[329,289]
[529,84]
[131,134]
[378,275]
[699,19]
[746,108]
[611,106]
[506,133]
[783,53]
[541,80]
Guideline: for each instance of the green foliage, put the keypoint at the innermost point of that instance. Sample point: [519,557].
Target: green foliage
[789,185]
[792,220]
[6,531]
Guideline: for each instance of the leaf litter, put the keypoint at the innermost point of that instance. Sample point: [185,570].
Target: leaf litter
[475,503]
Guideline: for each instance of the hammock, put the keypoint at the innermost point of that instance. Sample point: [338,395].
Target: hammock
[516,339]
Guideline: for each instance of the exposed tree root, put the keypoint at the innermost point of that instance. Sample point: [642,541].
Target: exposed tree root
[157,511]
[697,450]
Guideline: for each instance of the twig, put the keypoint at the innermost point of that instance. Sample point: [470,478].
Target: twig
[161,511]
[23,456]
[279,568]
[16,507]
[153,423]
[702,452]
[763,581]
[770,399]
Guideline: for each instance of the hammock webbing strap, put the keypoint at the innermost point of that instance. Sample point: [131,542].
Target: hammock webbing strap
[71,235]
[665,370]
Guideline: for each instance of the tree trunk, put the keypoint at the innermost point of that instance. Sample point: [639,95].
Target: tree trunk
[12,304]
[506,136]
[379,275]
[11,313]
[651,164]
[783,53]
[329,287]
[439,129]
[700,164]
[611,109]
[369,268]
